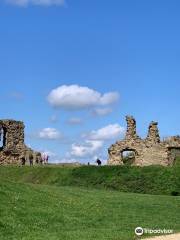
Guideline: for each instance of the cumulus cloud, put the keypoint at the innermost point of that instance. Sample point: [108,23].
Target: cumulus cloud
[88,148]
[109,98]
[49,153]
[101,111]
[75,97]
[94,141]
[24,3]
[74,121]
[108,132]
[49,133]
[66,160]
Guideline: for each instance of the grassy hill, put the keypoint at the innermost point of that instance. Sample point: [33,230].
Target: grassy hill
[78,203]
[149,180]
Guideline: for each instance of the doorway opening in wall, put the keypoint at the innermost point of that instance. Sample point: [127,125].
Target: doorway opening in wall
[128,157]
[2,138]
[175,155]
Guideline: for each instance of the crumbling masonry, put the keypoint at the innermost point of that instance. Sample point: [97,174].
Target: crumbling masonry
[13,147]
[149,151]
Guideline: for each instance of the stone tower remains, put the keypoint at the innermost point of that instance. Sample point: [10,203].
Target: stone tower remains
[131,128]
[143,152]
[13,147]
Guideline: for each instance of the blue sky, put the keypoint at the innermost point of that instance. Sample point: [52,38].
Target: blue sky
[127,48]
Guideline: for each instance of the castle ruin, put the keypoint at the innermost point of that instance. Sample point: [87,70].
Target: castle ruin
[144,152]
[13,147]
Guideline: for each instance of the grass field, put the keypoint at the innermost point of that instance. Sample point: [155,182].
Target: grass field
[149,180]
[43,203]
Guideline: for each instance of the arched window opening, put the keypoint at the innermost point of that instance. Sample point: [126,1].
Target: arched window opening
[128,157]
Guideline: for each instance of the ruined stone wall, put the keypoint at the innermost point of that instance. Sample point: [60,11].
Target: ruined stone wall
[153,133]
[13,149]
[149,151]
[157,154]
[13,134]
[131,128]
[173,144]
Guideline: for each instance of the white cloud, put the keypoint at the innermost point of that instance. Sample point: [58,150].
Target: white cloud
[24,3]
[88,148]
[49,133]
[74,121]
[102,111]
[49,153]
[76,97]
[106,133]
[94,141]
[67,160]
[109,98]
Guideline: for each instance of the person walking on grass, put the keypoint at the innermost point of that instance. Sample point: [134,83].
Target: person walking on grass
[98,161]
[46,159]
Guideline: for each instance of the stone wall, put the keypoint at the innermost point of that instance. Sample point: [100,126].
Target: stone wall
[14,148]
[148,151]
[153,133]
[131,128]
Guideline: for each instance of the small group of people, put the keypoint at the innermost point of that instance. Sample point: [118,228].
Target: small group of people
[42,159]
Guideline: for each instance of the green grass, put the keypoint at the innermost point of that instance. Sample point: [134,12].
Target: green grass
[177,161]
[63,203]
[46,212]
[149,180]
